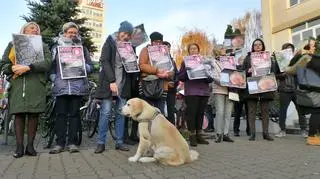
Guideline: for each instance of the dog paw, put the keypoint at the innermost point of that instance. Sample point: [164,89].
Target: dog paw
[133,159]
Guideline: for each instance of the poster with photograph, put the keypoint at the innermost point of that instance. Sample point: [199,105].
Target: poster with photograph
[199,67]
[233,78]
[71,61]
[139,35]
[228,62]
[129,58]
[28,48]
[260,63]
[262,84]
[283,58]
[237,41]
[195,68]
[160,57]
[238,56]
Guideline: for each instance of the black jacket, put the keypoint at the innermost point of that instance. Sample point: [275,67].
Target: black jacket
[286,83]
[107,72]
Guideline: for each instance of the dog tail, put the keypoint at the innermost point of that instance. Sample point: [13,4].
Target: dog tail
[193,155]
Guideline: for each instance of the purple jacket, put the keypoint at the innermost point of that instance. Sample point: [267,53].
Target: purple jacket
[193,87]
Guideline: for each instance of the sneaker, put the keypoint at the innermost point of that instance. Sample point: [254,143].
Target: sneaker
[73,148]
[56,149]
[226,138]
[281,134]
[121,147]
[313,140]
[304,133]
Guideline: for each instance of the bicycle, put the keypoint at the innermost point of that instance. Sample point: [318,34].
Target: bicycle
[91,112]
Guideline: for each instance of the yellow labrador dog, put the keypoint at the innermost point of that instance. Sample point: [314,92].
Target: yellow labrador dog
[158,134]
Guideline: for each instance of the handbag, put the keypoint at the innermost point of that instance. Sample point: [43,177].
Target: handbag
[308,79]
[308,98]
[152,87]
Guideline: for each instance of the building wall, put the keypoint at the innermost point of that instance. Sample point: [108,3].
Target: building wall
[94,11]
[278,18]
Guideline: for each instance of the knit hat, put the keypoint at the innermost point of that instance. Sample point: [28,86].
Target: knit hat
[69,25]
[26,25]
[156,36]
[126,26]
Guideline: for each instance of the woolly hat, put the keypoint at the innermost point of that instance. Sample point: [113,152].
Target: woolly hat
[156,36]
[69,25]
[26,25]
[126,26]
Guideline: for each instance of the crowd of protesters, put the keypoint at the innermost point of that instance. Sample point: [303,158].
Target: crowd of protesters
[184,100]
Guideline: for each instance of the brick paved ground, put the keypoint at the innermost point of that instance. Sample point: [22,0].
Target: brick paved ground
[283,158]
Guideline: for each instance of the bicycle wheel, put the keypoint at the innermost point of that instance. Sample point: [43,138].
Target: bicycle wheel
[79,134]
[92,116]
[49,138]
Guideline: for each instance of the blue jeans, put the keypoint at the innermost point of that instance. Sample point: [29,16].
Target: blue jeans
[105,115]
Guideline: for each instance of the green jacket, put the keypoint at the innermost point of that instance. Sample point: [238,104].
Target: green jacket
[27,93]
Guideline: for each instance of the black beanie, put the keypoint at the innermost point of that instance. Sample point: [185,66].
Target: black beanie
[156,36]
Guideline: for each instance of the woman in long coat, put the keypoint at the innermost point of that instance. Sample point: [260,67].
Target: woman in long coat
[27,94]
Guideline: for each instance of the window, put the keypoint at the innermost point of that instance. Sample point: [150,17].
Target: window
[307,34]
[299,28]
[317,32]
[305,31]
[295,2]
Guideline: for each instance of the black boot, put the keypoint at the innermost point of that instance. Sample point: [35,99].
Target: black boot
[19,151]
[32,130]
[266,136]
[193,140]
[219,138]
[201,140]
[19,129]
[252,136]
[226,138]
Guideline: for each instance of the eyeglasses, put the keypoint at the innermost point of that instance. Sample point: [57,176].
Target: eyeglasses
[72,32]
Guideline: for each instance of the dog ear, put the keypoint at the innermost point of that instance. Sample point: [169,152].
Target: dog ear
[136,107]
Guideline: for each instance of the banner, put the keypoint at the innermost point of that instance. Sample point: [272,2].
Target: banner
[262,84]
[28,48]
[283,58]
[160,57]
[139,36]
[233,78]
[129,58]
[71,62]
[260,63]
[228,62]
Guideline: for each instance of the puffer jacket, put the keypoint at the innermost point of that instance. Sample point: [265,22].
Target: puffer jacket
[76,86]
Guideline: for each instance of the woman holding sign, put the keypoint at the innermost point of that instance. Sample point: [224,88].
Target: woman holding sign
[27,94]
[197,92]
[263,98]
[114,83]
[71,63]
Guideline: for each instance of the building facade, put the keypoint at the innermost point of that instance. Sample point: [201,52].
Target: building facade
[289,21]
[94,11]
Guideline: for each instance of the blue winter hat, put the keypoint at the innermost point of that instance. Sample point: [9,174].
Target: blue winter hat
[126,26]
